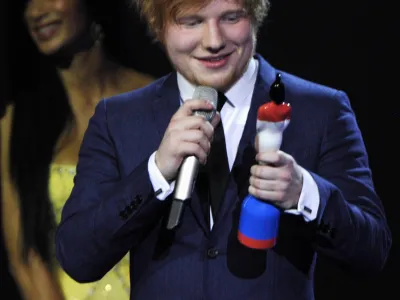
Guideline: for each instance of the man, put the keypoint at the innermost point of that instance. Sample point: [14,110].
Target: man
[136,142]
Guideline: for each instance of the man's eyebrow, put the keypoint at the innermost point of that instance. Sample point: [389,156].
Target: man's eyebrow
[195,15]
[239,11]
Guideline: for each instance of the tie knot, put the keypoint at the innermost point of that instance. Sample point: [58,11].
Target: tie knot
[221,100]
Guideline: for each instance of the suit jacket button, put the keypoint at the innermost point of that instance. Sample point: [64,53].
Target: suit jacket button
[331,232]
[123,215]
[133,205]
[138,199]
[212,253]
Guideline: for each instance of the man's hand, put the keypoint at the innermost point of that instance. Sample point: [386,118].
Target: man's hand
[186,135]
[278,178]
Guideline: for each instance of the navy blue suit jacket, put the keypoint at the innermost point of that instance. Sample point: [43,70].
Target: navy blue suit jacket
[113,208]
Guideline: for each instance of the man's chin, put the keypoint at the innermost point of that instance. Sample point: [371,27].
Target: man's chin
[217,82]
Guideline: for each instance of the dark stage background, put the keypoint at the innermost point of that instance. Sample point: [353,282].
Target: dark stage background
[340,44]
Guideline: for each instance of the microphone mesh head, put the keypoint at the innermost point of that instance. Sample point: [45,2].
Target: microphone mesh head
[209,94]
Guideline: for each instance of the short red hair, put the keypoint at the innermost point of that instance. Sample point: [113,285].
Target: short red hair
[158,13]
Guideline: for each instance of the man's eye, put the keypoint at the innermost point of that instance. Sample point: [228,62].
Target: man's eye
[192,23]
[189,22]
[231,18]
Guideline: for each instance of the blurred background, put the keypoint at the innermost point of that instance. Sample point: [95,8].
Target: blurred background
[338,43]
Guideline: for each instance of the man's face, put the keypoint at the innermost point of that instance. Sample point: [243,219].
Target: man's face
[211,46]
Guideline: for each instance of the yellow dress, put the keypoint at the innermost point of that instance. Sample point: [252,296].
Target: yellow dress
[115,284]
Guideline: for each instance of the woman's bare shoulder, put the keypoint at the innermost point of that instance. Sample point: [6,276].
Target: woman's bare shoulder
[6,119]
[5,131]
[135,80]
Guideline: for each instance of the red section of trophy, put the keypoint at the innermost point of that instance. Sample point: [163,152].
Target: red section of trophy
[272,112]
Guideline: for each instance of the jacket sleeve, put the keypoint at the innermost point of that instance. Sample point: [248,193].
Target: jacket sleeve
[352,227]
[106,214]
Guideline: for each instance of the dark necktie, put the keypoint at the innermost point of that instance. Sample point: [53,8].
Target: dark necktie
[217,165]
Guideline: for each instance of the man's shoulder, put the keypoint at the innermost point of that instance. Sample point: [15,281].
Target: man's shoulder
[310,93]
[305,87]
[298,88]
[141,96]
[134,106]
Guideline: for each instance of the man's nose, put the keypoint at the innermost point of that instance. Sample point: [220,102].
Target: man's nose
[213,38]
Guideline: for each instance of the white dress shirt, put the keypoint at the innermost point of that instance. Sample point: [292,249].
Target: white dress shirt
[233,116]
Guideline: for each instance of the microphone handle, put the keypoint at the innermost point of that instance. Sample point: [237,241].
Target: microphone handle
[183,190]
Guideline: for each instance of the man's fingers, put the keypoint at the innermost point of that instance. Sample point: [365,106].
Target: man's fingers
[189,148]
[190,106]
[197,137]
[192,123]
[274,158]
[216,120]
[264,172]
[268,184]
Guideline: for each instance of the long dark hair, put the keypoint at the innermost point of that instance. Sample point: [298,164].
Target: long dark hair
[42,112]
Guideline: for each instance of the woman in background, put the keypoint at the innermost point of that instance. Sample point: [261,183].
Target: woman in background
[66,56]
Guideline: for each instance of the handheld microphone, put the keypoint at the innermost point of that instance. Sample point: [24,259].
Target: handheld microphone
[190,165]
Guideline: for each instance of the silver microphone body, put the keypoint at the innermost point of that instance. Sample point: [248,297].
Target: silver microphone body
[189,169]
[186,178]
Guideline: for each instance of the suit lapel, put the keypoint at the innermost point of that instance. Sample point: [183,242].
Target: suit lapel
[245,156]
[166,103]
